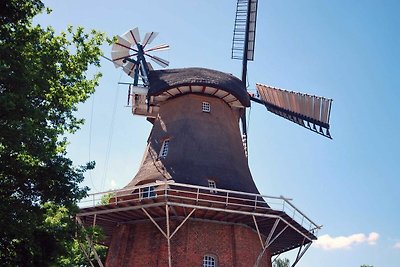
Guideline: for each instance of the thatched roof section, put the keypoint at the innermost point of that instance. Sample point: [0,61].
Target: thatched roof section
[162,80]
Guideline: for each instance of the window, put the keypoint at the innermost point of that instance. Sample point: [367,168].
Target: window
[209,261]
[206,107]
[148,192]
[212,184]
[164,149]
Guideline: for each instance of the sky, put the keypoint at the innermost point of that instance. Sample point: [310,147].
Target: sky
[346,50]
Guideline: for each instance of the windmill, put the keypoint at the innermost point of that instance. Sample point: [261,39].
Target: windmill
[311,112]
[129,53]
[193,200]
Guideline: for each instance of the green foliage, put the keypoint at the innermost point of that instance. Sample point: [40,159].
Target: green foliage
[105,199]
[281,263]
[42,80]
[73,254]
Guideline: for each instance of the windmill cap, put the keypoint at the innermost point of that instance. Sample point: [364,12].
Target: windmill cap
[161,81]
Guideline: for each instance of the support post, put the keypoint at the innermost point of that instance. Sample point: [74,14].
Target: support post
[86,254]
[258,232]
[154,222]
[179,226]
[269,241]
[90,242]
[168,236]
[300,254]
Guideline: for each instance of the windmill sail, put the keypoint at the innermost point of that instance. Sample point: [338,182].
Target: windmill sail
[244,33]
[309,111]
[130,54]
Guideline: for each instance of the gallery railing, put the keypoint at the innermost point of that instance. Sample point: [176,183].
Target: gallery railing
[201,196]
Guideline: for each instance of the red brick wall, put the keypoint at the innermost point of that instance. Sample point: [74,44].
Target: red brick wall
[142,245]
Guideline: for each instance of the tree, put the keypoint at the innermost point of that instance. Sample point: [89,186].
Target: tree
[281,263]
[365,265]
[42,80]
[58,219]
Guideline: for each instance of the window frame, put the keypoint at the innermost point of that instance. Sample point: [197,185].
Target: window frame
[212,185]
[164,149]
[210,260]
[148,192]
[206,107]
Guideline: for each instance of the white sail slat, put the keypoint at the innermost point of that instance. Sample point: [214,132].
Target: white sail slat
[149,37]
[293,103]
[129,69]
[268,93]
[158,48]
[275,94]
[298,98]
[286,100]
[280,98]
[118,57]
[317,108]
[121,44]
[310,106]
[325,110]
[297,107]
[132,36]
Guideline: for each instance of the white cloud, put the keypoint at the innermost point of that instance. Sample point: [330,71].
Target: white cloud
[372,238]
[113,184]
[345,242]
[397,245]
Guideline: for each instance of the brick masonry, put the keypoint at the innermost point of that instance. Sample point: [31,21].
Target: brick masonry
[142,244]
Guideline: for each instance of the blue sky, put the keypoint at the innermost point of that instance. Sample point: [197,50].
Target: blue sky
[344,50]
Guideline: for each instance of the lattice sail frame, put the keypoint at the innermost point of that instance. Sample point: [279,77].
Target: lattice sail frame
[309,111]
[244,31]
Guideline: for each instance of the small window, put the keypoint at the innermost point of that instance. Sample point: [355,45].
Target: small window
[206,107]
[164,149]
[212,184]
[209,261]
[148,192]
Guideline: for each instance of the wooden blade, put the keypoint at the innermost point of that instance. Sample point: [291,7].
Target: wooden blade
[162,62]
[132,36]
[149,37]
[158,48]
[129,69]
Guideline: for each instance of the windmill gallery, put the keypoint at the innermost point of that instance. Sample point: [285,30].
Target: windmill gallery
[193,201]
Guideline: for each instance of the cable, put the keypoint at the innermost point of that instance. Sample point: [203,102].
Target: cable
[90,141]
[109,59]
[108,149]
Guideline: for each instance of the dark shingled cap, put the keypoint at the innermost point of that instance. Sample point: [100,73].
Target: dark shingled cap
[162,80]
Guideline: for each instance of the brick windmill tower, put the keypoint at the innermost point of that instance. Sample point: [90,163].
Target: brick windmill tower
[193,201]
